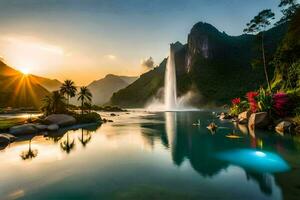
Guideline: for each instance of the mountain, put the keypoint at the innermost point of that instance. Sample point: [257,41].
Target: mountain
[216,65]
[18,90]
[104,88]
[49,84]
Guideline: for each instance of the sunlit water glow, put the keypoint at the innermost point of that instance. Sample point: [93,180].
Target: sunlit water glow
[144,155]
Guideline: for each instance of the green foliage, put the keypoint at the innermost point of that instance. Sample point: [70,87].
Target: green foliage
[91,117]
[236,109]
[54,103]
[6,123]
[68,88]
[264,100]
[85,96]
[260,22]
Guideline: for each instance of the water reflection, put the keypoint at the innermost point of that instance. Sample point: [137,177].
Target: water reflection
[30,153]
[67,145]
[85,138]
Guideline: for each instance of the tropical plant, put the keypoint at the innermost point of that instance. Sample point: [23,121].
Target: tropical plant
[91,117]
[264,100]
[54,103]
[237,106]
[281,104]
[84,96]
[251,96]
[258,25]
[68,88]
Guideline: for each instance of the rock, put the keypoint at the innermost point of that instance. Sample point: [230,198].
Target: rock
[110,120]
[41,127]
[4,140]
[53,127]
[10,137]
[113,114]
[258,120]
[23,129]
[283,127]
[243,117]
[224,116]
[61,119]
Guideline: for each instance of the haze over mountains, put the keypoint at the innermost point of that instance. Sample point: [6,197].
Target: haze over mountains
[104,88]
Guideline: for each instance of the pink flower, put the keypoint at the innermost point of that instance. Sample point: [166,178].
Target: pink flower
[281,104]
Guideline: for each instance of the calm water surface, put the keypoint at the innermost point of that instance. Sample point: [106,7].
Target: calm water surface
[152,156]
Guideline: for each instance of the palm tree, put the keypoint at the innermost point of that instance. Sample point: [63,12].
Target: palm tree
[29,154]
[84,95]
[68,88]
[54,103]
[66,145]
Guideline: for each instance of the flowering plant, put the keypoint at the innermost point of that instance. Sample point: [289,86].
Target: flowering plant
[281,104]
[251,96]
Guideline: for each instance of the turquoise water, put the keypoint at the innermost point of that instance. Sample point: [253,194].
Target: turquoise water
[152,156]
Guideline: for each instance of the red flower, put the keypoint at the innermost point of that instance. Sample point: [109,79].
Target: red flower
[236,101]
[252,101]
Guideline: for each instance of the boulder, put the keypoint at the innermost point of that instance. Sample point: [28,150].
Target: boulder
[243,117]
[53,127]
[24,129]
[41,127]
[258,120]
[8,136]
[283,127]
[61,120]
[112,114]
[4,140]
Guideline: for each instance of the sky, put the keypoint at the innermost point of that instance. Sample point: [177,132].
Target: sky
[84,40]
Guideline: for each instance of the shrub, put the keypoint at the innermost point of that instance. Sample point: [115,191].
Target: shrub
[264,101]
[91,117]
[281,104]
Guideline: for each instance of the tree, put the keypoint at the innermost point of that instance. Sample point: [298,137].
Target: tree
[289,9]
[54,103]
[68,88]
[84,96]
[258,25]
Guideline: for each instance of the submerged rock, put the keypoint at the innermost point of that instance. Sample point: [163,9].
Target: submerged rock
[23,129]
[53,127]
[283,127]
[225,116]
[258,120]
[61,120]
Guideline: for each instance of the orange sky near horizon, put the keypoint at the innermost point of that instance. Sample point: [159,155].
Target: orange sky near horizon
[38,57]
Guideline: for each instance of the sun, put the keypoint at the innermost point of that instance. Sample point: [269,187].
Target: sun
[25,71]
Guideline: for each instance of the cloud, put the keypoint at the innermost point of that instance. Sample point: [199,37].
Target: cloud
[33,44]
[147,63]
[110,56]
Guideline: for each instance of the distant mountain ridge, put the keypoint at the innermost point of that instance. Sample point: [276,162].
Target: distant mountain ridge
[104,88]
[216,65]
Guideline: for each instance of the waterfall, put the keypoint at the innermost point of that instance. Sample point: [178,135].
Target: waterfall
[170,82]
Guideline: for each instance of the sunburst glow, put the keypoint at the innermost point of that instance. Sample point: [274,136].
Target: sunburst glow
[25,71]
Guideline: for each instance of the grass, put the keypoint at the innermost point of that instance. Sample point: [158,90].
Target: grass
[6,123]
